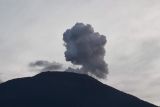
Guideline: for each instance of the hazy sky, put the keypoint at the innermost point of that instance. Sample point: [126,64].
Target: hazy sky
[31,30]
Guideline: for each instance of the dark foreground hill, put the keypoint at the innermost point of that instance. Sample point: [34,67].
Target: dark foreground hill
[62,89]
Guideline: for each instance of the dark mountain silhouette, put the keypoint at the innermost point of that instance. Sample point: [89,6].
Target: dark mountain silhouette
[64,89]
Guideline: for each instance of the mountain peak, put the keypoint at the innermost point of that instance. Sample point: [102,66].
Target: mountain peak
[61,89]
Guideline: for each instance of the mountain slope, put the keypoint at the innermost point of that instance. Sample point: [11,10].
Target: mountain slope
[64,89]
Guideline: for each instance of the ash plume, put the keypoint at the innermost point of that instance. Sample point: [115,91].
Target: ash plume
[42,65]
[86,48]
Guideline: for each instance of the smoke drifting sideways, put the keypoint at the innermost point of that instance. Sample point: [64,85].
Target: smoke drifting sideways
[86,48]
[42,65]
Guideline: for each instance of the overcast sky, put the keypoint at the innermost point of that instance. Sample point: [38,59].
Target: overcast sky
[31,30]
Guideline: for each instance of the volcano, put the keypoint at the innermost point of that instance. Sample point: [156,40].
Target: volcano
[64,89]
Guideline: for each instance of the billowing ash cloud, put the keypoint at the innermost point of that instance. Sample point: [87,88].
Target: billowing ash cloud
[86,48]
[43,65]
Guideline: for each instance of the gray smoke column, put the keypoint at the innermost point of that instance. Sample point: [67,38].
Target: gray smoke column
[86,48]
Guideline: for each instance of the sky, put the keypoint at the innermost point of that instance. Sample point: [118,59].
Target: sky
[32,30]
